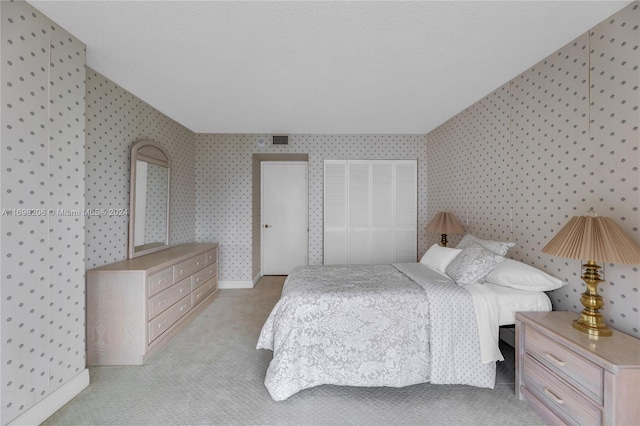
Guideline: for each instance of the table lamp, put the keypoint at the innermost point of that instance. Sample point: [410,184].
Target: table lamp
[594,239]
[445,223]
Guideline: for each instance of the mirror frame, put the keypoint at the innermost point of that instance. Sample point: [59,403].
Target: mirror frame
[150,152]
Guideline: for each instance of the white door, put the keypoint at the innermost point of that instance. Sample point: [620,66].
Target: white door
[285,217]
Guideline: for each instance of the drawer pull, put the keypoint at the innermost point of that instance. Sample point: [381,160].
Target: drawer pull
[182,308]
[162,324]
[162,281]
[198,295]
[197,280]
[182,271]
[162,302]
[197,263]
[560,362]
[553,396]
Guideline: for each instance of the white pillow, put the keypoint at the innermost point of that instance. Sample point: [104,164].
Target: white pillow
[439,258]
[499,247]
[472,265]
[514,274]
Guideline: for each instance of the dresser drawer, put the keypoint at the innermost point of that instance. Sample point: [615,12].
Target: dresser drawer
[162,322]
[578,371]
[203,276]
[203,291]
[184,269]
[161,301]
[161,280]
[211,257]
[211,285]
[562,399]
[198,295]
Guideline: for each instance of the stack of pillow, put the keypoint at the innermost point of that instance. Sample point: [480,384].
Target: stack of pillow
[475,260]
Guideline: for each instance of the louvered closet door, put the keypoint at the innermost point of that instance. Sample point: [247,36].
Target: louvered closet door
[382,250]
[335,212]
[406,211]
[370,211]
[359,233]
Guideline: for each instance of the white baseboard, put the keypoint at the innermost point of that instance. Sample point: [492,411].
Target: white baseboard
[233,284]
[53,402]
[257,278]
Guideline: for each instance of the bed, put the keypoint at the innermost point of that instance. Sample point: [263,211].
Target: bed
[376,325]
[386,325]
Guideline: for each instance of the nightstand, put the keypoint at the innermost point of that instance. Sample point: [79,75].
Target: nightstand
[569,377]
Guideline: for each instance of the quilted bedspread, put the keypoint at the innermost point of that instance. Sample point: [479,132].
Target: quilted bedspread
[372,325]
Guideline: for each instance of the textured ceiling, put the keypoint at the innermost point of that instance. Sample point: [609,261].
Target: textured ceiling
[319,67]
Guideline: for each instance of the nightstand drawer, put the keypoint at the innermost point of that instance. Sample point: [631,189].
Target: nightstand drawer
[563,400]
[577,370]
[548,415]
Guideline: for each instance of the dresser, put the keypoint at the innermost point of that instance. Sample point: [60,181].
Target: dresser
[136,306]
[569,377]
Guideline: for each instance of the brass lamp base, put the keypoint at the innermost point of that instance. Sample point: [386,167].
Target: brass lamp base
[443,240]
[591,321]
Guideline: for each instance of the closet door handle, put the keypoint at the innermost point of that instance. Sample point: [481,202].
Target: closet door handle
[267,226]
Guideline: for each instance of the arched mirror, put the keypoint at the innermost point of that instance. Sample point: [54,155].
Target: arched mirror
[149,205]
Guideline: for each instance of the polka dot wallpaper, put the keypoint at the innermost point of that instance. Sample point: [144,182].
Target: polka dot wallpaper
[116,119]
[42,244]
[558,139]
[224,187]
[463,174]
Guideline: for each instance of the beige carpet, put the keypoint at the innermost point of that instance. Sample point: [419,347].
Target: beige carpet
[212,374]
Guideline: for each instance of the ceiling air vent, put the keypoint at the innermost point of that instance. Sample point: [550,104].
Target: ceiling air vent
[280,140]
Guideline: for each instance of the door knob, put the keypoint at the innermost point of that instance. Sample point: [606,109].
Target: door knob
[267,226]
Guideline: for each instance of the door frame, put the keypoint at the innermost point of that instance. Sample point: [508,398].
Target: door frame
[284,163]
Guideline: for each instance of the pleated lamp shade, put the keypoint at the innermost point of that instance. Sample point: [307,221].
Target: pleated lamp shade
[594,238]
[445,223]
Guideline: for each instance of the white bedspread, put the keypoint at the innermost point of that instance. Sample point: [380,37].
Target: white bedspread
[370,325]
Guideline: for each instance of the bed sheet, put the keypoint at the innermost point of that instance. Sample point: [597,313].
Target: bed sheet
[511,300]
[495,306]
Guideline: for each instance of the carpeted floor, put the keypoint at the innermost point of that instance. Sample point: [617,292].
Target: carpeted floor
[212,374]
